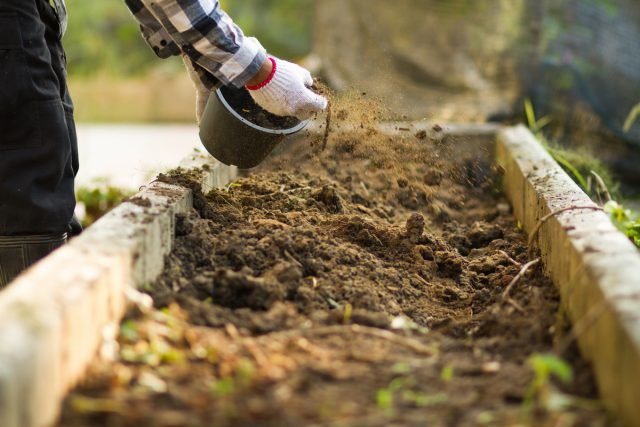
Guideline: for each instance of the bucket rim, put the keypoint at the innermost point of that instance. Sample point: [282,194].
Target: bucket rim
[288,131]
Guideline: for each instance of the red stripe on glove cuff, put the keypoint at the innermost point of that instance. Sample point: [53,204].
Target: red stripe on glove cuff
[268,80]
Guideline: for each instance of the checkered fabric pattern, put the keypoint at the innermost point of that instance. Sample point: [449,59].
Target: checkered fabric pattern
[220,51]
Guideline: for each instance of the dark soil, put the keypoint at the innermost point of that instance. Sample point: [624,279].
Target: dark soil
[358,286]
[243,104]
[139,201]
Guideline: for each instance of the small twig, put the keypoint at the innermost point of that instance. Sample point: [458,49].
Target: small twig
[312,349]
[537,228]
[362,330]
[364,187]
[601,187]
[327,129]
[382,334]
[282,190]
[515,305]
[293,190]
[293,259]
[421,280]
[232,331]
[511,260]
[523,271]
[258,355]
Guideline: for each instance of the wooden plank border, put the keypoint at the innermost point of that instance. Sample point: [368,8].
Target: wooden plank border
[596,268]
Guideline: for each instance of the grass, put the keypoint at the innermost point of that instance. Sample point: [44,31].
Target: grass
[99,199]
[404,390]
[626,220]
[581,165]
[541,392]
[590,174]
[632,117]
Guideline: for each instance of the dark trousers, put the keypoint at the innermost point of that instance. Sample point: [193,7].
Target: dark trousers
[38,146]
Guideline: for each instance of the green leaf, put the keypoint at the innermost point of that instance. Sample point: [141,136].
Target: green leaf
[535,125]
[384,399]
[543,122]
[530,113]
[223,387]
[625,221]
[571,169]
[616,211]
[549,364]
[423,400]
[632,117]
[447,373]
[173,356]
[245,372]
[401,383]
[401,368]
[129,331]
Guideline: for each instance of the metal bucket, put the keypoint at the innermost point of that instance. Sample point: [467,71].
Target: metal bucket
[229,136]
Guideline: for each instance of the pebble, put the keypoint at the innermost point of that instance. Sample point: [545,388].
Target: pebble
[503,208]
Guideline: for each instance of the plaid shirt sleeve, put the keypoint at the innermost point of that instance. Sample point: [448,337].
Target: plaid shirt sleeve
[201,30]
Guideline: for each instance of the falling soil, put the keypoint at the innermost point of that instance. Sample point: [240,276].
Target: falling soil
[356,286]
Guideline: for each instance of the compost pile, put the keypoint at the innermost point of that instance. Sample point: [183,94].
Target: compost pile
[359,285]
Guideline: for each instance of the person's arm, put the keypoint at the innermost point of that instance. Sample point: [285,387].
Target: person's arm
[207,35]
[215,46]
[153,33]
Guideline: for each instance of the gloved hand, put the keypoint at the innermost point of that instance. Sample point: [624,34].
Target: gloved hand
[286,92]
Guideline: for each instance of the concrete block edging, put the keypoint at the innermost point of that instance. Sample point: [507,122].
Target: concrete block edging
[594,265]
[52,320]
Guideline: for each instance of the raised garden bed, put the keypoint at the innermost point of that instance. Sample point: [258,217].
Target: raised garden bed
[373,283]
[368,284]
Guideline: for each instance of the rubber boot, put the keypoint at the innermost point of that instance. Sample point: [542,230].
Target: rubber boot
[17,253]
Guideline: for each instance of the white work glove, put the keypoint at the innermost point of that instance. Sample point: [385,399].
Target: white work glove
[287,92]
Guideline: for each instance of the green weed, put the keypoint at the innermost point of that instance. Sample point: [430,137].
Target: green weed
[129,331]
[99,199]
[580,164]
[348,312]
[403,389]
[447,374]
[241,379]
[223,387]
[625,220]
[632,117]
[541,391]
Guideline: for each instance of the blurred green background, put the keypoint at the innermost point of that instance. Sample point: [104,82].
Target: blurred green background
[576,62]
[115,77]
